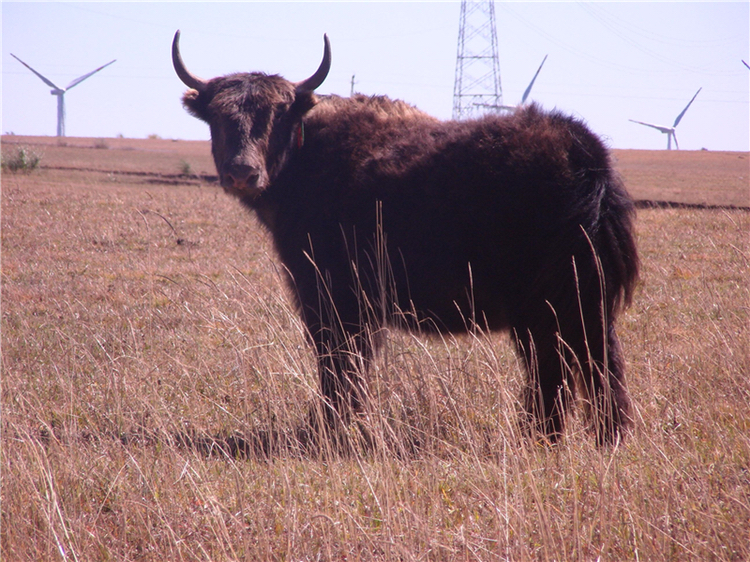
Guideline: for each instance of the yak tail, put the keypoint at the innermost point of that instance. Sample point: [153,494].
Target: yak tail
[615,242]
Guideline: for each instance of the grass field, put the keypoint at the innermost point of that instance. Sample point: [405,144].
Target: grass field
[156,382]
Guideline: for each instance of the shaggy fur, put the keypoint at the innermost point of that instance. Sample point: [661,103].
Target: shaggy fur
[385,216]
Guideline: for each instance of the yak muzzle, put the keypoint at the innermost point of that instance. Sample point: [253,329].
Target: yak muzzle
[242,178]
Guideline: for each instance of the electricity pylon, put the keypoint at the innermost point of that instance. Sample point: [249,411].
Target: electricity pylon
[477,88]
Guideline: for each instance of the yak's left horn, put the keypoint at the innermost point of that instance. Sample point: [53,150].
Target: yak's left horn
[317,79]
[188,78]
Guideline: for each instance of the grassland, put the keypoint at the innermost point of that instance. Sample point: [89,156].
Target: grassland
[155,381]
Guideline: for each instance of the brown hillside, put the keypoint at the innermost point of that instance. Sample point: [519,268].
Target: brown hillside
[677,176]
[687,177]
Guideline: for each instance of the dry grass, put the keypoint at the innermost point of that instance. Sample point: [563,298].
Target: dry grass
[155,383]
[687,177]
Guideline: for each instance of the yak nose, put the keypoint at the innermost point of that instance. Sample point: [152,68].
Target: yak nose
[241,175]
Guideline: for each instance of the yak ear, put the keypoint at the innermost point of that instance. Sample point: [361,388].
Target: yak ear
[192,103]
[303,102]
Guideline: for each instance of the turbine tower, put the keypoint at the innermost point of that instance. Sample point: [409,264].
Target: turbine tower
[60,92]
[477,85]
[670,131]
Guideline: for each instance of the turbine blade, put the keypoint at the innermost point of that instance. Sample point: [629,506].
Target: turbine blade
[82,78]
[679,117]
[45,80]
[747,65]
[666,130]
[674,136]
[531,84]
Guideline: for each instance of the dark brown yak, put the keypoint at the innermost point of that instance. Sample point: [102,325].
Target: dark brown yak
[385,216]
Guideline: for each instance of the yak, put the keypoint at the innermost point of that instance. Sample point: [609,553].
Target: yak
[384,216]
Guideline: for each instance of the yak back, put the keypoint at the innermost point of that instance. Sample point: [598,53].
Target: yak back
[383,147]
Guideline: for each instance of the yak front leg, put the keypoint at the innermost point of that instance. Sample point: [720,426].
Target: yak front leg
[343,359]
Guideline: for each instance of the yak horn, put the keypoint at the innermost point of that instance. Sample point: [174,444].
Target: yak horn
[188,78]
[309,85]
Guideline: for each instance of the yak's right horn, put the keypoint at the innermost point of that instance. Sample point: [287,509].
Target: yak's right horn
[188,78]
[317,79]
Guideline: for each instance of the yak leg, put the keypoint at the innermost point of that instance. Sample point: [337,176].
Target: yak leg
[547,393]
[344,348]
[342,360]
[601,362]
[589,347]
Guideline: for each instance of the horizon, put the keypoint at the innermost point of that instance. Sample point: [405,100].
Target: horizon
[62,141]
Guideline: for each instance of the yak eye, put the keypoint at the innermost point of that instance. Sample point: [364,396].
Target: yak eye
[259,125]
[281,110]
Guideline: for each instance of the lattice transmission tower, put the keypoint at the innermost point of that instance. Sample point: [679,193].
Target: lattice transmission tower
[477,88]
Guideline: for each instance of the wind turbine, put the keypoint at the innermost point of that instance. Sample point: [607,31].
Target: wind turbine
[527,91]
[60,92]
[670,131]
[525,94]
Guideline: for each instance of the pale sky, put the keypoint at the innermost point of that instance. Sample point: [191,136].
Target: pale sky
[608,62]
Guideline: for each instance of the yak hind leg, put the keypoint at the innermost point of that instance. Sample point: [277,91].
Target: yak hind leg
[602,367]
[592,357]
[547,394]
[563,356]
